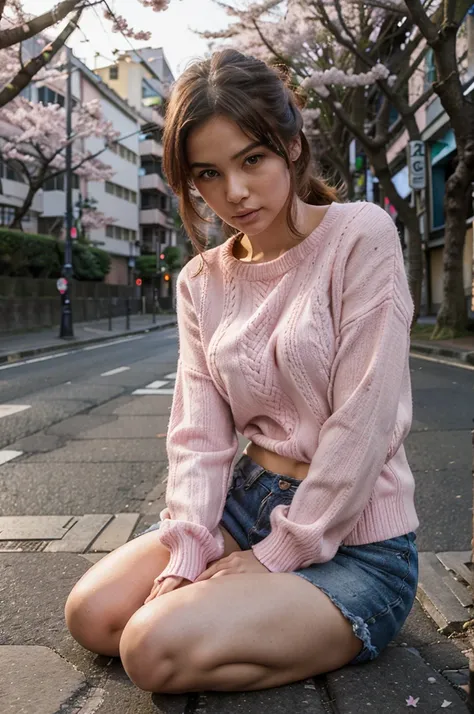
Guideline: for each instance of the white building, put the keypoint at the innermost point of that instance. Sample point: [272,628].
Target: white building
[143,80]
[118,198]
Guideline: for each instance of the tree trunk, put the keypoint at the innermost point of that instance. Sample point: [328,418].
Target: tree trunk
[21,213]
[452,316]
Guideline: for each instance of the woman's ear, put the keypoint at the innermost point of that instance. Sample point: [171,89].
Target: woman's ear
[294,149]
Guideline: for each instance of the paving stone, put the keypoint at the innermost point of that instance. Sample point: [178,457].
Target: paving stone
[302,697]
[74,426]
[36,679]
[81,535]
[117,532]
[113,427]
[437,593]
[153,405]
[39,442]
[444,655]
[384,685]
[35,527]
[29,488]
[111,450]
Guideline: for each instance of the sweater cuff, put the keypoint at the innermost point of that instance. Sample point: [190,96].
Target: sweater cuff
[280,552]
[191,547]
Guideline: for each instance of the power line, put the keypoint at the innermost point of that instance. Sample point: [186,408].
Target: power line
[127,39]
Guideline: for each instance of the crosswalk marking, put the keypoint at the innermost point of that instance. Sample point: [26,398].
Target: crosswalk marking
[157,387]
[9,409]
[8,455]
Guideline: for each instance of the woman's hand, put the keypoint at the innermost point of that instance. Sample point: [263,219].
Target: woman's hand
[243,561]
[166,586]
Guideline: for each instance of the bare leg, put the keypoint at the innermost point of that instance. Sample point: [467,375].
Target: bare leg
[238,632]
[108,594]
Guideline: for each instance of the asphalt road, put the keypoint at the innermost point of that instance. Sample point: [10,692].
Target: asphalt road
[89,445]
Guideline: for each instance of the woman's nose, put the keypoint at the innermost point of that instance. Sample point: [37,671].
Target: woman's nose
[237,190]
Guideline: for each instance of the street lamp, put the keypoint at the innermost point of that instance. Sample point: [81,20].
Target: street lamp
[64,285]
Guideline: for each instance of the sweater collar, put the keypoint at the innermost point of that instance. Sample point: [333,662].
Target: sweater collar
[274,268]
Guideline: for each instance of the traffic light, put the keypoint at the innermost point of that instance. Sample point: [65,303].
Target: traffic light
[138,282]
[166,277]
[162,256]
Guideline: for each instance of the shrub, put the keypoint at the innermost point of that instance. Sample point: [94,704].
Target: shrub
[29,255]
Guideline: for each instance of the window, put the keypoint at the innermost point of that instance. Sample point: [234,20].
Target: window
[120,191]
[7,214]
[58,183]
[13,172]
[113,72]
[109,231]
[48,96]
[430,69]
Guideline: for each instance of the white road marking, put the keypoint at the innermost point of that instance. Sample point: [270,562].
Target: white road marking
[152,391]
[37,359]
[112,342]
[6,455]
[170,376]
[462,365]
[9,409]
[156,385]
[114,371]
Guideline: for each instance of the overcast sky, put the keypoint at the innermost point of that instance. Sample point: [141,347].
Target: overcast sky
[170,30]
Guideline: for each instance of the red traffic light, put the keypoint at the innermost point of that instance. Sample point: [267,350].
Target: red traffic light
[138,282]
[162,256]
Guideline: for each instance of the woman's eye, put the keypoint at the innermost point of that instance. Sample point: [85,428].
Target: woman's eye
[205,174]
[254,160]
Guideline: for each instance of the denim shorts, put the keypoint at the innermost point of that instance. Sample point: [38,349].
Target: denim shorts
[373,585]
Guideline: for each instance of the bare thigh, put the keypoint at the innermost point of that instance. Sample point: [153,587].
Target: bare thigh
[114,588]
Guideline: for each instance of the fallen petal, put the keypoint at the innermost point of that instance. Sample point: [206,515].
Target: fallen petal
[445,704]
[412,702]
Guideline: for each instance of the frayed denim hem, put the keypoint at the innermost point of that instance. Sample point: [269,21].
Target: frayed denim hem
[359,626]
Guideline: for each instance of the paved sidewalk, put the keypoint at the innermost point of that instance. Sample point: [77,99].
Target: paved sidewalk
[28,344]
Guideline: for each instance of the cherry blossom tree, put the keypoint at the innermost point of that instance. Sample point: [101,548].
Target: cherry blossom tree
[20,60]
[33,137]
[362,64]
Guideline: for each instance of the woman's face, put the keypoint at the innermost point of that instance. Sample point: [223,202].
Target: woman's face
[243,182]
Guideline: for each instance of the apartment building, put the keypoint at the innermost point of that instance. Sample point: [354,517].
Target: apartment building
[117,198]
[143,80]
[440,150]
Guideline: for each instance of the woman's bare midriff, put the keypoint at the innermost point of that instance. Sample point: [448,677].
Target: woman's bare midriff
[276,463]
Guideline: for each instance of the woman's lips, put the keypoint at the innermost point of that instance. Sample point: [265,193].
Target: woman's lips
[248,217]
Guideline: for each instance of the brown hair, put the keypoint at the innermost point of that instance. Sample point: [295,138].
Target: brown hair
[259,100]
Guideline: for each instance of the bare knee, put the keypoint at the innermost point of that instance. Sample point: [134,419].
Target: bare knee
[157,644]
[90,621]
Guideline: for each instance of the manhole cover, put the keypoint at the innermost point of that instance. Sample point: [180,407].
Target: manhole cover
[27,546]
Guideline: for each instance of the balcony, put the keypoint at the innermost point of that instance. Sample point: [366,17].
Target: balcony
[154,182]
[150,147]
[153,217]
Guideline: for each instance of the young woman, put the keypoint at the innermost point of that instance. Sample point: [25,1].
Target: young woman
[295,333]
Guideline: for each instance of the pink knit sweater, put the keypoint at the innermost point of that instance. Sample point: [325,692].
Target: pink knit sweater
[307,356]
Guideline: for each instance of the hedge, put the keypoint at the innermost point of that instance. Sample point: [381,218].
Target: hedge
[30,255]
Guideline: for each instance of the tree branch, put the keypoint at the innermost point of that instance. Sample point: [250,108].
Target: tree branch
[26,73]
[421,19]
[37,24]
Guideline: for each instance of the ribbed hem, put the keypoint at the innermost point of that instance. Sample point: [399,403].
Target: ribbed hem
[191,548]
[279,266]
[384,519]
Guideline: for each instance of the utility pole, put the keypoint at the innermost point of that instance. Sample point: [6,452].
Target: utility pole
[66,329]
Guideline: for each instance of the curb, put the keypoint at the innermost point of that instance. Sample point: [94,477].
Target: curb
[460,355]
[15,356]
